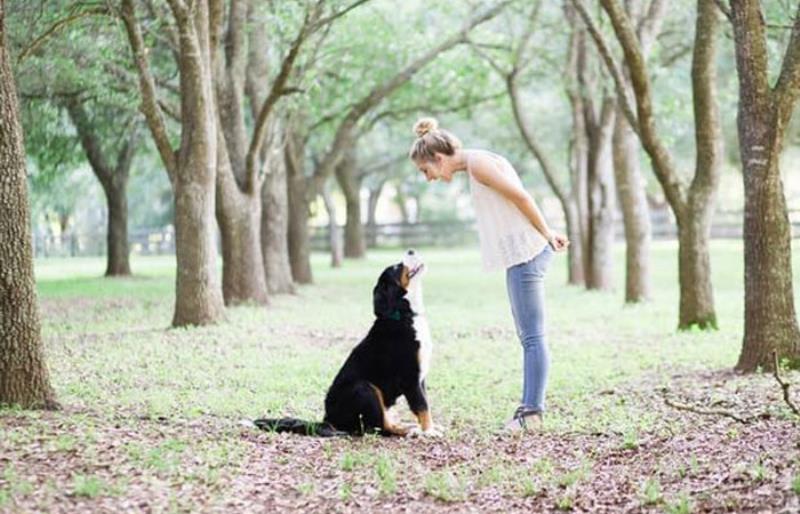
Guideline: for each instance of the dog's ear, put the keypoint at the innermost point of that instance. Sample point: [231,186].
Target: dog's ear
[387,294]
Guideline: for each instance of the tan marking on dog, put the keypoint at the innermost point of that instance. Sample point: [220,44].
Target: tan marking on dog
[404,278]
[387,424]
[424,419]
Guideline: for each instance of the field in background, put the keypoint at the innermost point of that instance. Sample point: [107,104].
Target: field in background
[151,415]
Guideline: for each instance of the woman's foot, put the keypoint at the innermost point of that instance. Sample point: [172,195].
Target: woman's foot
[525,419]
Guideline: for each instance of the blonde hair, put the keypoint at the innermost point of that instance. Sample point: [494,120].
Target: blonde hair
[432,140]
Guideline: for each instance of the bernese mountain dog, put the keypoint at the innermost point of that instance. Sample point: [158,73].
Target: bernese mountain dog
[391,361]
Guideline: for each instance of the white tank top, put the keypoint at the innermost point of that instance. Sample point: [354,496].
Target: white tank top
[506,236]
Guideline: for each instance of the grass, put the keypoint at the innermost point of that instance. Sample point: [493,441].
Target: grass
[173,396]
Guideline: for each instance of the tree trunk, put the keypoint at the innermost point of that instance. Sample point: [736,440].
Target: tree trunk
[275,229]
[334,235]
[635,213]
[694,270]
[117,250]
[24,379]
[770,319]
[372,207]
[600,247]
[770,322]
[350,184]
[575,275]
[298,192]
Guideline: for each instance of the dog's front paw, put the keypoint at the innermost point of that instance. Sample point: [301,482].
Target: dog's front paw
[433,432]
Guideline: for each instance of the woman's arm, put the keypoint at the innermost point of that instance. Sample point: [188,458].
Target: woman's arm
[484,170]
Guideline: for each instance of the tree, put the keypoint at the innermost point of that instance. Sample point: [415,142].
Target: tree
[770,322]
[190,167]
[113,176]
[692,205]
[24,379]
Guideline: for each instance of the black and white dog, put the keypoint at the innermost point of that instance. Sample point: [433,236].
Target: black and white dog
[391,361]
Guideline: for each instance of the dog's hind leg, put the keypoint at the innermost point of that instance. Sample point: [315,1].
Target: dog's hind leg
[386,424]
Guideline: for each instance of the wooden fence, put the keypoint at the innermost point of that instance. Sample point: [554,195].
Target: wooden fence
[158,241]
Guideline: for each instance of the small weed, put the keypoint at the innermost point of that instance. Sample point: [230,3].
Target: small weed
[445,486]
[386,475]
[88,486]
[682,505]
[651,492]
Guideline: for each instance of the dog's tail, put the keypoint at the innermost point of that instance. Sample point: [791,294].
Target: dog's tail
[298,426]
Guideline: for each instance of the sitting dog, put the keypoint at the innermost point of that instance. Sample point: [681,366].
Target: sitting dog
[392,361]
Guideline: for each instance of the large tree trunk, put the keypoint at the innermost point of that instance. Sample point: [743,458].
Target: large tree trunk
[770,322]
[350,184]
[694,271]
[635,213]
[117,248]
[239,218]
[275,229]
[298,192]
[24,379]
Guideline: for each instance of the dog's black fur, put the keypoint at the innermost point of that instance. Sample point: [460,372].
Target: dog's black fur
[380,369]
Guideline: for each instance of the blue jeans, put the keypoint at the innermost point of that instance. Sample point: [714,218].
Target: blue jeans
[525,283]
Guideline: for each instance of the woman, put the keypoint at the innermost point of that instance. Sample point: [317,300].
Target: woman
[513,236]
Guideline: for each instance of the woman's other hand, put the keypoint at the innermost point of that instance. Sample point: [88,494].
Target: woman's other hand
[558,242]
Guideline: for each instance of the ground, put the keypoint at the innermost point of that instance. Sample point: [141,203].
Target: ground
[152,417]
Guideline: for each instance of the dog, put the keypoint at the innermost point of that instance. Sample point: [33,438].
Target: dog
[393,360]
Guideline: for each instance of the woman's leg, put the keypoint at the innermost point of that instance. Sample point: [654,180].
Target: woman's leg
[525,284]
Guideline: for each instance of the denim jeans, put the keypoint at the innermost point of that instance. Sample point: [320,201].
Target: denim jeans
[525,283]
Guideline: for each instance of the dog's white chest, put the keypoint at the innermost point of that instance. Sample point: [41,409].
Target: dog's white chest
[425,344]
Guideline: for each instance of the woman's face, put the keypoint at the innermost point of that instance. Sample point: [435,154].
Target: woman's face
[435,169]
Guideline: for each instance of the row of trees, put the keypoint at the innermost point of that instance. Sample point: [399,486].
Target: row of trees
[251,116]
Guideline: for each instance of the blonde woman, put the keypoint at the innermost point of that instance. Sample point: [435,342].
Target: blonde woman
[513,236]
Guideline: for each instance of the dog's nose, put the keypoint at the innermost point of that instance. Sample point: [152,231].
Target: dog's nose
[410,251]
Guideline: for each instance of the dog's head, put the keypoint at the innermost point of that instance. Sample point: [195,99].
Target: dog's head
[390,297]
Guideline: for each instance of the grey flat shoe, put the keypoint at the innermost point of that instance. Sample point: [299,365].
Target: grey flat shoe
[525,419]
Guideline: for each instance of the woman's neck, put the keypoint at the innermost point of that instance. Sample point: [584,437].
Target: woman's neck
[458,161]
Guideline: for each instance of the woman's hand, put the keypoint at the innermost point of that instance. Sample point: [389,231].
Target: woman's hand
[558,242]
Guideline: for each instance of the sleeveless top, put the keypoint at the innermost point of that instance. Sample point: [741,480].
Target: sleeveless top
[506,236]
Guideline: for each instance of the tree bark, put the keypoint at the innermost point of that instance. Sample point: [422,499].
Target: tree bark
[350,184]
[635,212]
[298,193]
[117,247]
[24,378]
[763,115]
[601,198]
[275,226]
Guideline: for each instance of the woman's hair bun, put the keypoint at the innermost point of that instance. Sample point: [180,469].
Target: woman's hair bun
[425,125]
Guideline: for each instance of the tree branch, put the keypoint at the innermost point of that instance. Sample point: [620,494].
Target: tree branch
[611,64]
[705,412]
[147,87]
[788,86]
[784,385]
[276,91]
[58,25]
[663,165]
